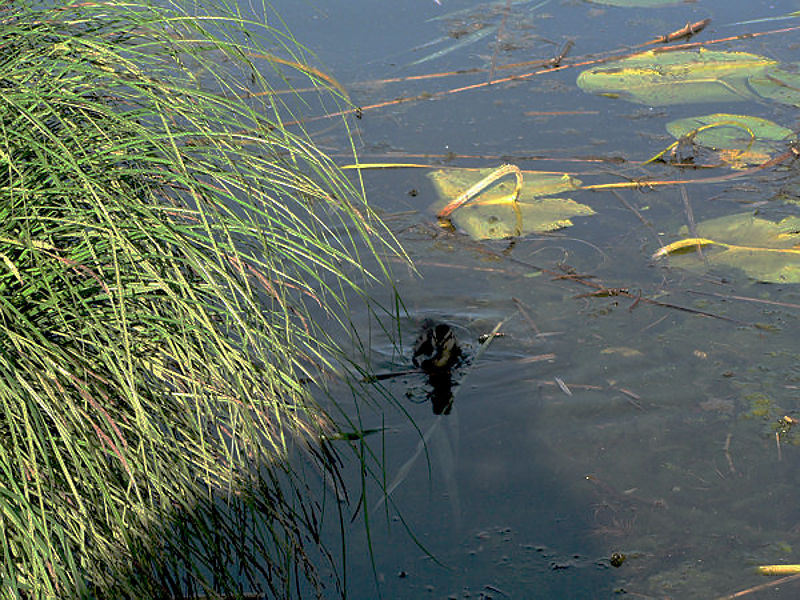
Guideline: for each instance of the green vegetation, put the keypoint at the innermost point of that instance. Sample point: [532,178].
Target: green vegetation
[166,245]
[731,132]
[765,250]
[678,77]
[487,207]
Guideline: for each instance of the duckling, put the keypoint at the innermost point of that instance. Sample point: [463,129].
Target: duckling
[436,349]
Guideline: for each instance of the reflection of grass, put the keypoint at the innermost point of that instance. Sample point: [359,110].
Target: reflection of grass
[160,242]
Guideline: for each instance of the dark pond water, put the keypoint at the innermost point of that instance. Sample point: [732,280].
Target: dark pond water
[596,424]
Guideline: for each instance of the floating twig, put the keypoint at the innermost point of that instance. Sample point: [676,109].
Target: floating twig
[635,302]
[523,310]
[560,383]
[727,449]
[556,60]
[686,31]
[605,293]
[760,588]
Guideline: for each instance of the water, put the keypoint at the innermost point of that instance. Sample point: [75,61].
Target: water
[661,444]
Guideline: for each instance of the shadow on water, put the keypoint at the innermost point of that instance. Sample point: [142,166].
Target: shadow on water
[441,393]
[494,513]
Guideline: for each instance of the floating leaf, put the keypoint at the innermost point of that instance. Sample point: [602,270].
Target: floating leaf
[765,250]
[661,78]
[740,140]
[493,213]
[723,131]
[781,84]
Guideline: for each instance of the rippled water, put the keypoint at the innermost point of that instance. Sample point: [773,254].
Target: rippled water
[596,424]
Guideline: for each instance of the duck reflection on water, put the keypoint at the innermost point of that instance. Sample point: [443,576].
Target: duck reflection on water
[436,352]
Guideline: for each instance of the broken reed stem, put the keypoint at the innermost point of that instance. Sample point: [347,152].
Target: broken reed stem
[474,190]
[779,569]
[633,184]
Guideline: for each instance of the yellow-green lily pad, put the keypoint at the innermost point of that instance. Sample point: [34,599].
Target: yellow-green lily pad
[491,213]
[765,250]
[680,77]
[738,138]
[781,84]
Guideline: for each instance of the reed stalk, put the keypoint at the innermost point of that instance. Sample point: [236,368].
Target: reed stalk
[166,248]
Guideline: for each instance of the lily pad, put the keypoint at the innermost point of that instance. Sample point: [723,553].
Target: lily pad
[739,140]
[491,214]
[765,250]
[781,84]
[723,131]
[663,78]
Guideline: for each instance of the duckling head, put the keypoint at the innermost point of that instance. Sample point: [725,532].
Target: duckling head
[436,349]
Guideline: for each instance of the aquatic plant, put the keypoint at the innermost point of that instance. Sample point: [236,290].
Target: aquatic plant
[167,244]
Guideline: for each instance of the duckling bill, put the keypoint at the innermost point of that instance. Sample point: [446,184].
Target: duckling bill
[436,349]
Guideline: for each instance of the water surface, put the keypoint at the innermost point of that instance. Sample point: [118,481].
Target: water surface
[595,424]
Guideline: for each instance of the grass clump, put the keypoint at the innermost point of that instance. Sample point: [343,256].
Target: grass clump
[164,240]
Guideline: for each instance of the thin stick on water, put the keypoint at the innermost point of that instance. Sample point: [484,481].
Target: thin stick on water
[523,310]
[690,222]
[562,385]
[727,448]
[472,192]
[760,588]
[499,36]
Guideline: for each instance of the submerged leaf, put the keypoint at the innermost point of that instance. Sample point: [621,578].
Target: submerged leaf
[662,78]
[491,214]
[781,84]
[765,250]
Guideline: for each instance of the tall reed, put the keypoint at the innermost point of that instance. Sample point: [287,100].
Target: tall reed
[164,242]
